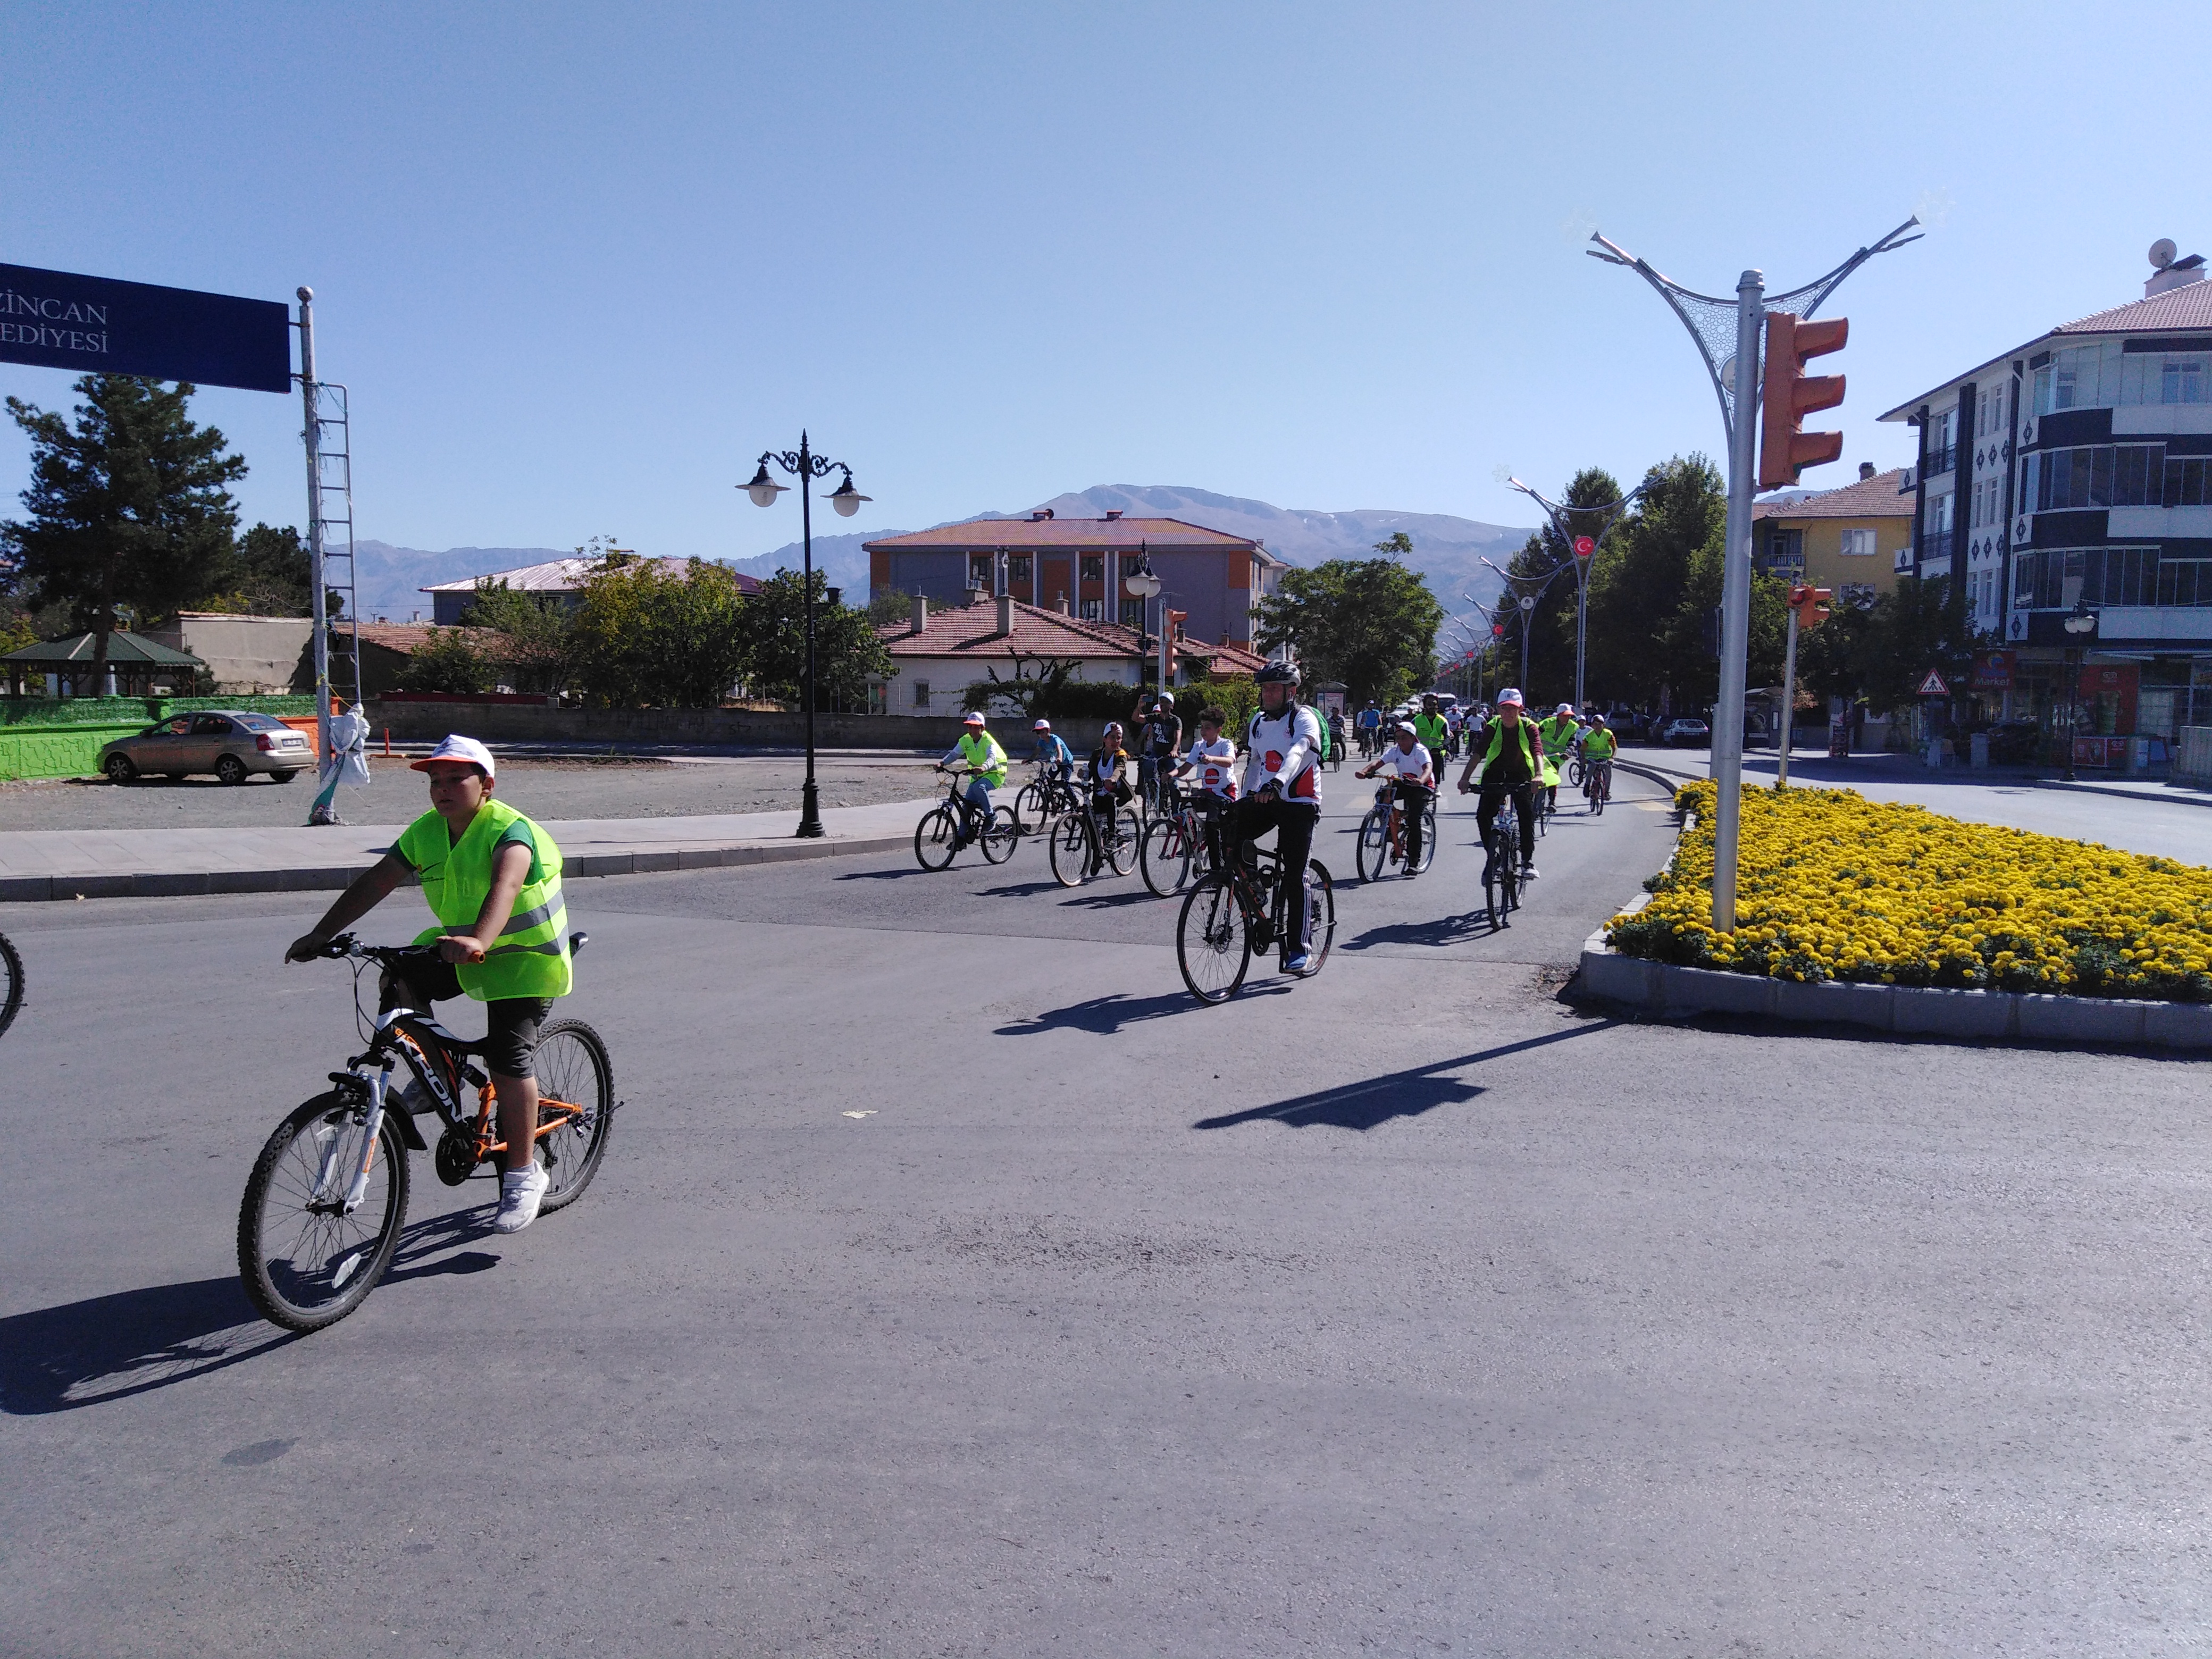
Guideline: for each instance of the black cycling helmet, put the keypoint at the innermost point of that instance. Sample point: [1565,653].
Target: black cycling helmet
[1278,673]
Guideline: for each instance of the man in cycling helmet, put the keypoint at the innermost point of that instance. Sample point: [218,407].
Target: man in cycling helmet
[1282,790]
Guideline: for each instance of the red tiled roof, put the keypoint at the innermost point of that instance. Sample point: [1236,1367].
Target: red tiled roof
[1869,498]
[972,630]
[2188,306]
[1223,659]
[406,637]
[1037,535]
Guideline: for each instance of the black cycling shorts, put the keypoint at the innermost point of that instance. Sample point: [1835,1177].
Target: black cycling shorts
[510,1045]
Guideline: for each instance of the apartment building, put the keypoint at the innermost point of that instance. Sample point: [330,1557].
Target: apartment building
[1851,541]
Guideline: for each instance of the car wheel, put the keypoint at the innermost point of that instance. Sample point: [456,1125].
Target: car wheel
[287,776]
[120,769]
[229,769]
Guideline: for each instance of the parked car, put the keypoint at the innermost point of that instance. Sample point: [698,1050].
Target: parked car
[231,744]
[1686,734]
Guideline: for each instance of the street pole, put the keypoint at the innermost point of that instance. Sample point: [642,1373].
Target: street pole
[1789,701]
[1735,598]
[312,434]
[810,802]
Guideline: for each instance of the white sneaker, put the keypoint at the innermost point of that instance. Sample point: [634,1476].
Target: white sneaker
[520,1191]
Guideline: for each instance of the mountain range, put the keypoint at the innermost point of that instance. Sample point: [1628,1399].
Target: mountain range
[1447,550]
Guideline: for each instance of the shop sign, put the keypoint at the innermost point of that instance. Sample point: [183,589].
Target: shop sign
[1993,670]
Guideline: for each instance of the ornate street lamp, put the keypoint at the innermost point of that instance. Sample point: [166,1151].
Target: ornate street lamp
[1142,586]
[1581,550]
[802,463]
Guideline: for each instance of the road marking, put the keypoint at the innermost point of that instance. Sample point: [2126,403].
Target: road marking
[860,1115]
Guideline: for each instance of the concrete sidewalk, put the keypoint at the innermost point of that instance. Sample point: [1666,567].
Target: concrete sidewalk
[72,864]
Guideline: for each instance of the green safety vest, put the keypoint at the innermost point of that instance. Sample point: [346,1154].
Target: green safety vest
[530,958]
[1599,744]
[1556,734]
[983,754]
[1540,765]
[1431,731]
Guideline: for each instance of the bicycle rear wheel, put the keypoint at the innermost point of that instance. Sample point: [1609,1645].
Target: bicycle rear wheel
[11,983]
[933,838]
[574,1068]
[1069,850]
[1211,947]
[1031,807]
[1124,833]
[1164,855]
[1372,855]
[1001,836]
[1428,835]
[306,1264]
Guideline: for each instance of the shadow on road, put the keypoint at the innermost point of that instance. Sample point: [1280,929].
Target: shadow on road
[1104,1016]
[110,1347]
[887,875]
[1399,1094]
[1440,930]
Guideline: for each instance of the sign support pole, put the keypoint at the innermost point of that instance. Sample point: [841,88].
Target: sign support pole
[1788,702]
[320,611]
[1736,598]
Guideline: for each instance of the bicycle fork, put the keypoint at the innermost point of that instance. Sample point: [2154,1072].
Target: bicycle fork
[347,1162]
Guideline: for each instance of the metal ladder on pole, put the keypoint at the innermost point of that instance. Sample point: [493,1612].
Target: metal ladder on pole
[333,453]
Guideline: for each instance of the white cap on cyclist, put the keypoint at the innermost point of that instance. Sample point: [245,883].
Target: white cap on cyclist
[1564,709]
[1405,729]
[1511,697]
[1042,725]
[976,718]
[466,750]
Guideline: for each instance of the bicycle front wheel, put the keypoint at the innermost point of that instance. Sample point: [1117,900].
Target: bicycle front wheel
[1164,855]
[1069,849]
[1428,836]
[1001,836]
[933,838]
[1211,947]
[305,1263]
[11,983]
[574,1070]
[1373,853]
[1126,830]
[1029,804]
[1319,893]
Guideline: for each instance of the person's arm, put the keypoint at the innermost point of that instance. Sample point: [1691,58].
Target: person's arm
[368,889]
[510,868]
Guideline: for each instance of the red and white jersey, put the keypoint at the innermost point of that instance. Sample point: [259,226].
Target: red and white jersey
[1213,767]
[1285,749]
[1414,767]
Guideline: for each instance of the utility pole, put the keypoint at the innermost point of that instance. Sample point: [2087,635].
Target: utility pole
[321,610]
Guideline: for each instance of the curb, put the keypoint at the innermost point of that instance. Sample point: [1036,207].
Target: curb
[2182,795]
[193,884]
[1907,1010]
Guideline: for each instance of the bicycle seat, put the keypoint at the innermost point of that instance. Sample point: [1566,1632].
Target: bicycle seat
[577,942]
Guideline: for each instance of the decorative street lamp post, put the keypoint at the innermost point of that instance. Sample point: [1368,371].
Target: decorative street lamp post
[1143,586]
[1527,603]
[1582,548]
[806,466]
[2081,627]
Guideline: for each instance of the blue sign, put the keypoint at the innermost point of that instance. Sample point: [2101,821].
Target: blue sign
[92,325]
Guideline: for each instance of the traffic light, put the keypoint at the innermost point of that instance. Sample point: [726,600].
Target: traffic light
[1789,394]
[1811,605]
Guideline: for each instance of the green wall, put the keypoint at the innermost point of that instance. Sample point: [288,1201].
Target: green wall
[61,738]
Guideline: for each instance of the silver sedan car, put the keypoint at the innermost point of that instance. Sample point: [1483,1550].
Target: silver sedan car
[232,744]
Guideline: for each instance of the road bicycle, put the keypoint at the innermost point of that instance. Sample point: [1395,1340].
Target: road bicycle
[1235,911]
[1042,800]
[328,1195]
[1597,786]
[958,822]
[1180,844]
[1382,836]
[1086,841]
[1576,772]
[11,983]
[1501,877]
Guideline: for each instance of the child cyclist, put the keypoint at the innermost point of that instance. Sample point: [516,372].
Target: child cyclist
[986,769]
[1211,765]
[1055,760]
[1413,781]
[493,880]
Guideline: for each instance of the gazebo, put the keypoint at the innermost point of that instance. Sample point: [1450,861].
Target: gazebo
[135,663]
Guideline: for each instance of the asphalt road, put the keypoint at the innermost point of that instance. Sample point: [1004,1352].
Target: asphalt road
[956,1285]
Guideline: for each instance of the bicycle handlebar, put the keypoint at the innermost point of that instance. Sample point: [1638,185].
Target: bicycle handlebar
[385,955]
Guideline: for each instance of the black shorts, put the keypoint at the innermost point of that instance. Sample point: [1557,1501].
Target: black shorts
[510,1023]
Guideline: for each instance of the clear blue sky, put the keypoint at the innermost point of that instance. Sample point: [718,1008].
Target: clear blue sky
[581,263]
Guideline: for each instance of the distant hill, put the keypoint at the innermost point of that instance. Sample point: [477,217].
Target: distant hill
[1447,550]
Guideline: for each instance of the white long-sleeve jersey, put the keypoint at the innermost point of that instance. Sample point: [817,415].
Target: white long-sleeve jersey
[1284,749]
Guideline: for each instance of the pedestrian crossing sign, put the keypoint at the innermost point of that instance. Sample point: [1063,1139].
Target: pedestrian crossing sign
[1933,686]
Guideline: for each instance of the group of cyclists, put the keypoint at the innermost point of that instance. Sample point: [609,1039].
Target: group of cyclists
[1510,756]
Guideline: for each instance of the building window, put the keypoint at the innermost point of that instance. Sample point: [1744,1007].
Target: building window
[1785,553]
[1860,594]
[1858,543]
[979,571]
[1991,416]
[1132,614]
[1019,572]
[2057,579]
[2182,380]
[1094,567]
[2189,484]
[1094,610]
[921,694]
[2128,475]
[2184,582]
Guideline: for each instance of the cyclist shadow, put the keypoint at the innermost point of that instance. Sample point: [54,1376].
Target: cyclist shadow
[1441,930]
[1375,1101]
[110,1347]
[1107,1015]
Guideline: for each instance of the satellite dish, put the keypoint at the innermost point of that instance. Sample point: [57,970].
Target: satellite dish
[2162,253]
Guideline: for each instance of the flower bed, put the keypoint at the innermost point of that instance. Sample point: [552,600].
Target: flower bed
[1832,886]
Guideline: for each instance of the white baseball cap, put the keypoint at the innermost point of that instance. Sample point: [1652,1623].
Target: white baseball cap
[456,749]
[1510,695]
[1042,725]
[972,719]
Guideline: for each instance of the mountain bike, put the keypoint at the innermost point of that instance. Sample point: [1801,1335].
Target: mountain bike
[1177,845]
[1042,800]
[1233,912]
[1382,836]
[328,1195]
[11,983]
[1086,841]
[1597,786]
[1576,772]
[945,829]
[1501,877]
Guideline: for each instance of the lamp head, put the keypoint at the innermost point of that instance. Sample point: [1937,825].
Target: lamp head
[846,499]
[763,490]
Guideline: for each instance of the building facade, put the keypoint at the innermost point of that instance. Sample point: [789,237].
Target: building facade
[2071,478]
[559,581]
[1079,567]
[1851,541]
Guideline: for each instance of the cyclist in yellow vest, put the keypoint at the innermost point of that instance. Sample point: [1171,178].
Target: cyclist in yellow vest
[493,880]
[1599,746]
[1432,732]
[1511,764]
[1558,736]
[987,771]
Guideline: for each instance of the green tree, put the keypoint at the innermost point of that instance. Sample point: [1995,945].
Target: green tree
[266,575]
[647,636]
[1547,557]
[448,660]
[1647,631]
[1368,622]
[538,648]
[846,649]
[889,606]
[128,510]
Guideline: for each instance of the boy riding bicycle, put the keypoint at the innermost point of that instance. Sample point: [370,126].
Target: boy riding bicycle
[493,879]
[1413,781]
[986,769]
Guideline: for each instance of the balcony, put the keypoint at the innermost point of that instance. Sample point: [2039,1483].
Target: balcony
[1935,544]
[1940,461]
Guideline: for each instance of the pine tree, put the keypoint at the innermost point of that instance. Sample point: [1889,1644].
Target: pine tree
[128,509]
